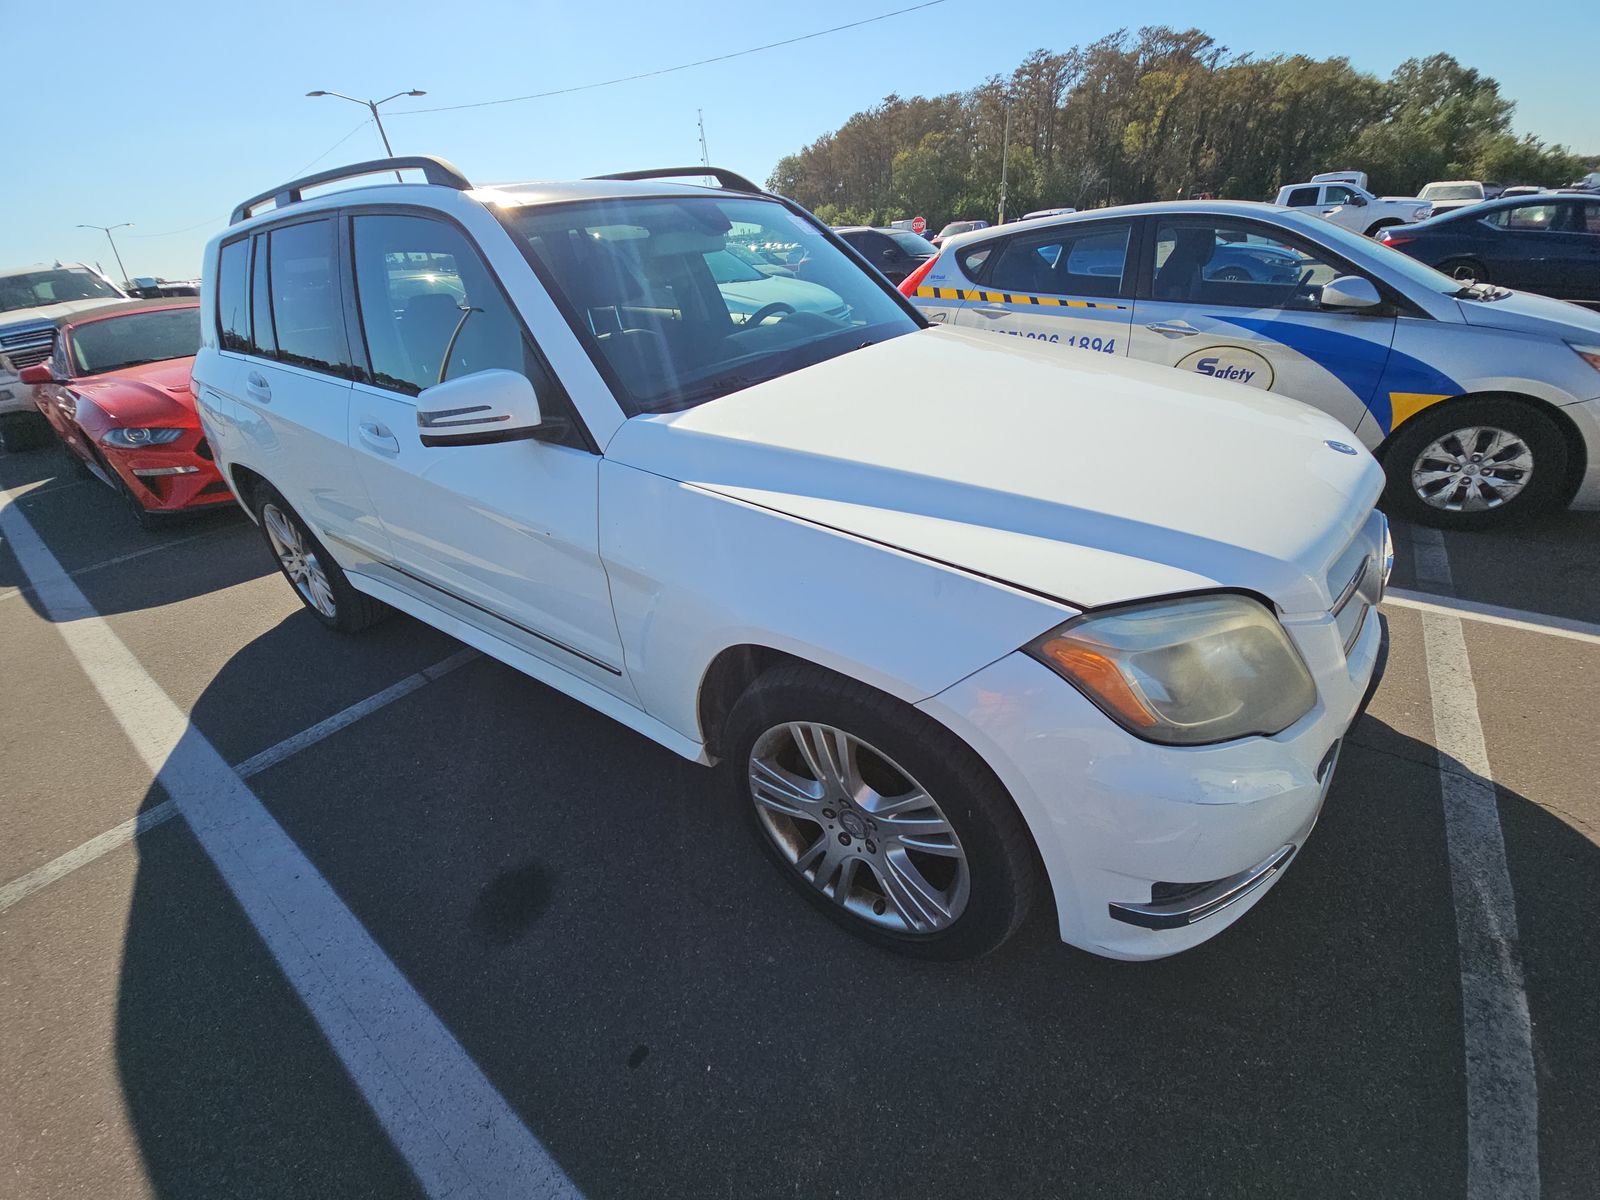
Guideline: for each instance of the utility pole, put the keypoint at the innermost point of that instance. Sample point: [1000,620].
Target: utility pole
[1005,154]
[106,229]
[372,106]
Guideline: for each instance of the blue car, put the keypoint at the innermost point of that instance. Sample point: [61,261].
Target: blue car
[1547,243]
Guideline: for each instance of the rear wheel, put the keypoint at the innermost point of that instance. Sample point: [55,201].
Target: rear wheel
[1473,464]
[878,815]
[1380,226]
[319,581]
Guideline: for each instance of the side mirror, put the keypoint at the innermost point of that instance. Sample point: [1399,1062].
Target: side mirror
[478,409]
[38,373]
[1357,201]
[1350,291]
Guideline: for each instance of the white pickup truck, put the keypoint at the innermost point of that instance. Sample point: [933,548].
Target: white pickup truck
[32,299]
[1347,203]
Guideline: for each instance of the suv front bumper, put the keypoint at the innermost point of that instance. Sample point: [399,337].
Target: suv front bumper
[1154,849]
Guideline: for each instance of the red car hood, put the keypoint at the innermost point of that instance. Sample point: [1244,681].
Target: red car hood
[152,394]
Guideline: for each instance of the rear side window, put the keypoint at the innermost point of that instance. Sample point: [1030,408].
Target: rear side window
[233,283]
[1535,218]
[1084,260]
[1305,197]
[307,313]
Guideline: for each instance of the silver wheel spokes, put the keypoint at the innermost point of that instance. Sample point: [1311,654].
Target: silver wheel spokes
[299,561]
[1471,470]
[858,828]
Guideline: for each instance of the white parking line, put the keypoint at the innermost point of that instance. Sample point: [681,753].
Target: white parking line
[1502,1090]
[446,1119]
[1494,614]
[8,593]
[120,835]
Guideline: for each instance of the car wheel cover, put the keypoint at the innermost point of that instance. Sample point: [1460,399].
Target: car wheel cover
[1472,470]
[858,828]
[299,561]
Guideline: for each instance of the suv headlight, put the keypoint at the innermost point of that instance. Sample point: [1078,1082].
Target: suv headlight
[1184,672]
[137,437]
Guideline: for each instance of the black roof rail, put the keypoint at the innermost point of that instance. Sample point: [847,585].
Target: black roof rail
[434,170]
[728,179]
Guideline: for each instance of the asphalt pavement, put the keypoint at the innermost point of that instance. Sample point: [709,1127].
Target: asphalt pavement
[587,921]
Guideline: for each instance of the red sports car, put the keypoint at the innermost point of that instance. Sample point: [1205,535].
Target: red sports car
[117,391]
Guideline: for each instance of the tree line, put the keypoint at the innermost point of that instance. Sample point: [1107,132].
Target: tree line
[1159,114]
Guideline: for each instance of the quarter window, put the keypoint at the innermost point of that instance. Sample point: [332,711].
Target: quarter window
[1199,261]
[307,315]
[1086,260]
[233,314]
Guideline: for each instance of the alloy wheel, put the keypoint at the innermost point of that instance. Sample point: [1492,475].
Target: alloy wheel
[1471,470]
[858,828]
[299,561]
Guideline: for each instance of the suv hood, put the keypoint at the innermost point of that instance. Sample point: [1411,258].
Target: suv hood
[1523,312]
[1091,480]
[54,312]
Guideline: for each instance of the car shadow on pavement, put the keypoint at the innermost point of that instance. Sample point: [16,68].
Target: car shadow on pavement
[589,917]
[119,566]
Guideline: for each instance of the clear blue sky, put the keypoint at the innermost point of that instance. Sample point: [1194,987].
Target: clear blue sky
[167,114]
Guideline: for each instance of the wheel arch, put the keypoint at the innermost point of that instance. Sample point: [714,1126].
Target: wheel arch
[246,485]
[1577,451]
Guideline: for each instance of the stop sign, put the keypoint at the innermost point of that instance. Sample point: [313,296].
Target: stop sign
[918,224]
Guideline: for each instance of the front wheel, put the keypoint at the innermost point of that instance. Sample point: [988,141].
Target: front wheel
[319,581]
[879,815]
[1474,464]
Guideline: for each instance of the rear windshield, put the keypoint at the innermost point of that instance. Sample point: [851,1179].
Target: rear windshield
[39,289]
[685,299]
[912,244]
[1451,191]
[145,337]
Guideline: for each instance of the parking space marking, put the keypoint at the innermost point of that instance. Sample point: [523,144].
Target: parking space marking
[8,593]
[1502,1090]
[274,755]
[120,835]
[455,1131]
[1494,614]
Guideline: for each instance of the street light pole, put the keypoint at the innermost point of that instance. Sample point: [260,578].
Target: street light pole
[1005,153]
[106,229]
[372,106]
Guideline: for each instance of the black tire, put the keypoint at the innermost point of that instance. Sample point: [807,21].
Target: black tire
[1465,271]
[1545,486]
[1380,226]
[20,432]
[352,611]
[999,854]
[149,521]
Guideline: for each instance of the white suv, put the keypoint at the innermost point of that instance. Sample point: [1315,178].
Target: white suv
[943,612]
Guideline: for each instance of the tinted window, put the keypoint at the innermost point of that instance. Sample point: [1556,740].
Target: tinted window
[307,316]
[431,311]
[261,300]
[636,280]
[141,337]
[912,245]
[1302,197]
[1590,220]
[1084,260]
[233,314]
[1199,261]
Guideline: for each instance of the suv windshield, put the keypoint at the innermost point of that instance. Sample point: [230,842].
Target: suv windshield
[118,342]
[913,244]
[39,289]
[1451,191]
[662,292]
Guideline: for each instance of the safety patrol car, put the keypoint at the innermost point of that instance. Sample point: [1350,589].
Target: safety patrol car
[1483,404]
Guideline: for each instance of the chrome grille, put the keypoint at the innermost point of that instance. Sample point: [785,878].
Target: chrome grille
[27,346]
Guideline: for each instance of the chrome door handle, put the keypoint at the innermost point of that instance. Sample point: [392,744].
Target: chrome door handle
[257,386]
[379,438]
[1175,328]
